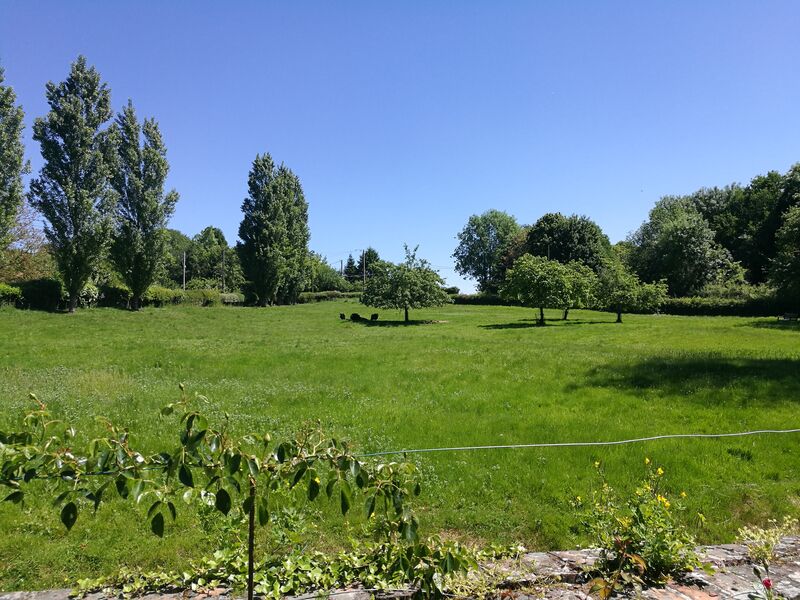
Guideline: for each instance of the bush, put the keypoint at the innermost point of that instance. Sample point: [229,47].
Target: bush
[306,297]
[42,294]
[115,295]
[158,296]
[728,307]
[202,297]
[9,294]
[231,298]
[483,300]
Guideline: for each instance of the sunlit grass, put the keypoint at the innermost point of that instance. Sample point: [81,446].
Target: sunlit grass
[484,375]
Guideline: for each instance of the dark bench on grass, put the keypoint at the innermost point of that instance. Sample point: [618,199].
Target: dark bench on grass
[787,317]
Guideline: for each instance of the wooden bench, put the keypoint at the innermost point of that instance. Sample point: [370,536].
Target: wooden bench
[787,317]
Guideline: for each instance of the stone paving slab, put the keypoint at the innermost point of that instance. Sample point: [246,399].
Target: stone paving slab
[563,576]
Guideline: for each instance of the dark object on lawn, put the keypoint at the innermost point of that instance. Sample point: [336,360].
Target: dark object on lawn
[342,317]
[373,317]
[355,317]
[788,317]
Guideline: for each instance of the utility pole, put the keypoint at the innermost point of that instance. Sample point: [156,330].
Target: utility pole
[184,270]
[341,267]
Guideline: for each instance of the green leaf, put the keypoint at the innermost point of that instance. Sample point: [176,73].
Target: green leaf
[345,499]
[248,505]
[122,486]
[263,512]
[234,462]
[185,476]
[167,410]
[157,525]
[329,487]
[153,508]
[369,506]
[172,510]
[417,489]
[29,474]
[222,502]
[298,475]
[252,466]
[313,487]
[137,490]
[15,497]
[69,514]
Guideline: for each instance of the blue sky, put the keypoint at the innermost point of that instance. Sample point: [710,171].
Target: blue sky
[402,119]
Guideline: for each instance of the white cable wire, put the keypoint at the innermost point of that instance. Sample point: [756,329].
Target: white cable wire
[581,444]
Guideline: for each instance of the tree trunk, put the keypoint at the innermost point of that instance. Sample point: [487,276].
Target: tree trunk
[541,316]
[566,313]
[406,309]
[619,316]
[135,303]
[73,302]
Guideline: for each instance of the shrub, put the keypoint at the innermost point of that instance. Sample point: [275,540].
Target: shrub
[89,296]
[158,296]
[232,298]
[306,297]
[639,537]
[202,297]
[9,294]
[115,295]
[42,294]
[483,300]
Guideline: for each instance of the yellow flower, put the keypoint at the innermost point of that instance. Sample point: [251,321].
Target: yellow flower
[578,499]
[663,501]
[597,464]
[660,471]
[683,494]
[646,460]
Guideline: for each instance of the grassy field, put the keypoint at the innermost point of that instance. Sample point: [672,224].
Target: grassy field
[483,375]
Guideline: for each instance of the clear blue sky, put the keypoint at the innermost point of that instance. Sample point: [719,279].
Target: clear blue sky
[402,119]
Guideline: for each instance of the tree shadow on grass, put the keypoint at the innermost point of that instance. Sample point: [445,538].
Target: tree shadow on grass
[528,323]
[400,323]
[776,325]
[711,380]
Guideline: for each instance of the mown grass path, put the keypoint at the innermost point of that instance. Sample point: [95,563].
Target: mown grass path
[485,375]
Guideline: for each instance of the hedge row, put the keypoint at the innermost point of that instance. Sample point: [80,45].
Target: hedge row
[768,306]
[762,306]
[49,294]
[306,297]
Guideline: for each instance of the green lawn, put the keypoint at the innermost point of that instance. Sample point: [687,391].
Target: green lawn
[483,375]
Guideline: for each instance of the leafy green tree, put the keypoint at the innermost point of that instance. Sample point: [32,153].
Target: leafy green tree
[72,190]
[176,245]
[274,233]
[410,284]
[677,244]
[582,285]
[566,239]
[323,277]
[785,271]
[211,263]
[482,245]
[12,160]
[365,262]
[539,283]
[138,168]
[619,291]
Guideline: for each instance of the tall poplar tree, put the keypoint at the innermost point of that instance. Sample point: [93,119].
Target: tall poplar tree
[138,168]
[12,162]
[72,190]
[274,233]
